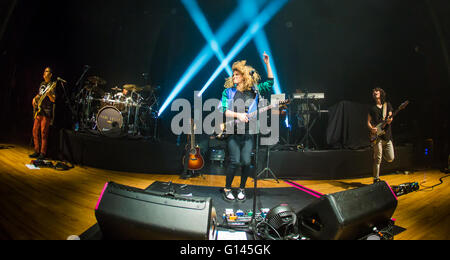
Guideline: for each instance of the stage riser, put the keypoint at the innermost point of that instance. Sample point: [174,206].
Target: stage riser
[142,156]
[335,164]
[121,154]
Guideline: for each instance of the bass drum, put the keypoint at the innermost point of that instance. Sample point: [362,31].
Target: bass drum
[109,121]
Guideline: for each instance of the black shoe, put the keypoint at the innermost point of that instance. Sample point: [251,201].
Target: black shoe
[41,157]
[34,155]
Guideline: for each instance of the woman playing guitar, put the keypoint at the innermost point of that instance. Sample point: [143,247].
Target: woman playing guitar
[240,89]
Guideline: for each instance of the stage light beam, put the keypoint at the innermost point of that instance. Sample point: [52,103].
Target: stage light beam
[199,18]
[260,40]
[259,22]
[228,29]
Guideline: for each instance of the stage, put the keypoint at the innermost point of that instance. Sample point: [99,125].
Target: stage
[297,197]
[134,154]
[55,204]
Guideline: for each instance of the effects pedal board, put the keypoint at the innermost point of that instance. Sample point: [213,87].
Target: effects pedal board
[242,218]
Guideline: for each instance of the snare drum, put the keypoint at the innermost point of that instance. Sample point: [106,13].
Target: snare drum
[109,118]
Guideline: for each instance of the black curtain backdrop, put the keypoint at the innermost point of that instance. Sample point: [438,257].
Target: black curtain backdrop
[340,48]
[347,126]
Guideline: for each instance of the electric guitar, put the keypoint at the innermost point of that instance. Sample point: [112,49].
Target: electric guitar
[37,109]
[228,125]
[195,161]
[381,126]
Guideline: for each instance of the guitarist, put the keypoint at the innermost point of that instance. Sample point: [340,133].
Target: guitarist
[240,87]
[383,147]
[44,118]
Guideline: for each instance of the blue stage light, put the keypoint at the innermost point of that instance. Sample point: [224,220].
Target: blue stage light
[287,122]
[261,42]
[259,22]
[229,28]
[199,18]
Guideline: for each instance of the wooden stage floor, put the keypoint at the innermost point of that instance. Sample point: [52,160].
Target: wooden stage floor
[47,204]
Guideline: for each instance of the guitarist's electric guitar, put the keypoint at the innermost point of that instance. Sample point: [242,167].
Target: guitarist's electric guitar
[37,109]
[195,161]
[381,126]
[227,127]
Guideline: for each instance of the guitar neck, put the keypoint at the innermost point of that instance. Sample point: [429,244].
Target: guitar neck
[261,110]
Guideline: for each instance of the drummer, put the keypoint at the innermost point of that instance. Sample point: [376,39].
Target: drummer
[123,96]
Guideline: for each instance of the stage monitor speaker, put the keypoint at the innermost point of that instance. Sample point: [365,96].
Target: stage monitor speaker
[127,213]
[348,215]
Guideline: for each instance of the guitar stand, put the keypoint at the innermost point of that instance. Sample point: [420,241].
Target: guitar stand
[200,174]
[267,169]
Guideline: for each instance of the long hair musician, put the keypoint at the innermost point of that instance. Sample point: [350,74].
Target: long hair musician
[241,88]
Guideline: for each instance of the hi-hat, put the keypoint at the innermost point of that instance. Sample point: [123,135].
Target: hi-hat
[97,80]
[132,87]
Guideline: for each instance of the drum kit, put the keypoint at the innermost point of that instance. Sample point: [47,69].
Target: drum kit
[129,109]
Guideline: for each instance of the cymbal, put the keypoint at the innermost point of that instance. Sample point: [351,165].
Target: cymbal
[147,88]
[94,89]
[132,87]
[116,89]
[97,80]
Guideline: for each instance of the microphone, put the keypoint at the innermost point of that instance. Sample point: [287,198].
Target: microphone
[60,79]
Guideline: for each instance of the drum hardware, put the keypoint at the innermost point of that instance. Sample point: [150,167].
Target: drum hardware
[96,80]
[127,110]
[132,87]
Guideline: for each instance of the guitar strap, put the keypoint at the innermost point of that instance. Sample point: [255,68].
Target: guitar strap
[384,110]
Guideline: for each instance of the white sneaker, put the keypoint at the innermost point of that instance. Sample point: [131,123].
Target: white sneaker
[241,194]
[228,195]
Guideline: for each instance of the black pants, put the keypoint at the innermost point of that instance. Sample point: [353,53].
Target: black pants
[240,149]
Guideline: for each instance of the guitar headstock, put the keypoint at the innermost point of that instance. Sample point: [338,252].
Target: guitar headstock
[283,103]
[403,105]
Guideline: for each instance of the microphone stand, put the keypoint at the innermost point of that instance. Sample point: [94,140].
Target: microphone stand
[74,98]
[255,180]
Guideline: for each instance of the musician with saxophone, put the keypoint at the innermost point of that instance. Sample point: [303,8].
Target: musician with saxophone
[43,105]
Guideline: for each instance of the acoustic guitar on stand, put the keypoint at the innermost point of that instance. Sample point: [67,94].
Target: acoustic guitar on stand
[195,161]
